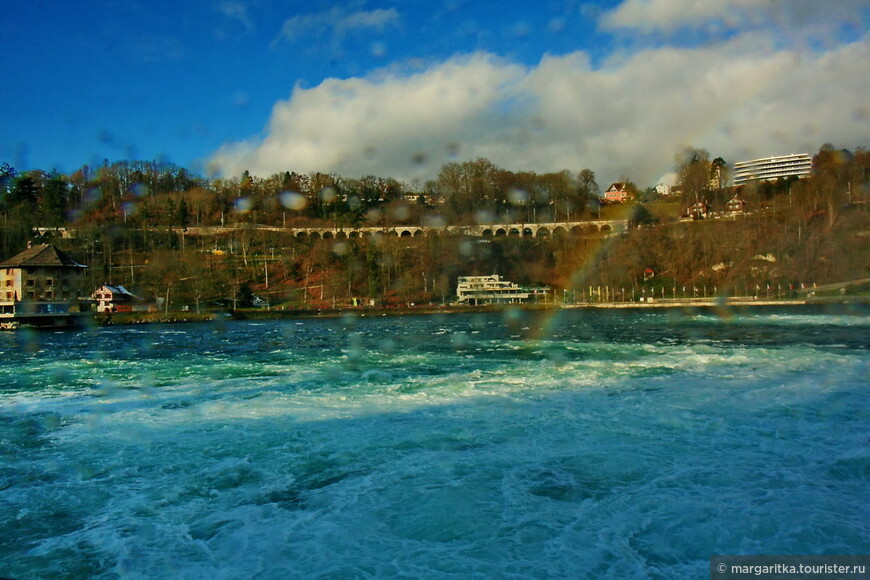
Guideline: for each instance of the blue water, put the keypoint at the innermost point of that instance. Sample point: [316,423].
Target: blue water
[579,444]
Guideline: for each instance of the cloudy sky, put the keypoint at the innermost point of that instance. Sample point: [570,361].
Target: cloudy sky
[399,88]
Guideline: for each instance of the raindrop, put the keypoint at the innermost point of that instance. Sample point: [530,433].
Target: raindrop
[340,248]
[355,348]
[328,194]
[434,221]
[293,200]
[418,158]
[378,49]
[400,212]
[373,215]
[459,340]
[484,217]
[243,204]
[518,196]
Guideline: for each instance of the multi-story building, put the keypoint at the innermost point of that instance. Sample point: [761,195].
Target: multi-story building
[476,290]
[617,193]
[770,168]
[40,286]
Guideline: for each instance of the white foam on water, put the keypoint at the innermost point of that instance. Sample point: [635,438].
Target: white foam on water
[490,458]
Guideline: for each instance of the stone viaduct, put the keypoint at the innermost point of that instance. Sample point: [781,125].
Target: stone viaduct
[536,230]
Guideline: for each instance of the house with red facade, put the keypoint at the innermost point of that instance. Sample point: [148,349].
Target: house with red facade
[735,205]
[116,298]
[617,193]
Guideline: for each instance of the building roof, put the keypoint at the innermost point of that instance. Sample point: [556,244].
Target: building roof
[118,289]
[42,255]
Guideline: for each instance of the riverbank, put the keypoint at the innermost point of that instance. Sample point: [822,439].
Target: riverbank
[716,304]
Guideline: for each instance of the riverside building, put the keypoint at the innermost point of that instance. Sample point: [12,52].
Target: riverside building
[771,168]
[476,290]
[41,286]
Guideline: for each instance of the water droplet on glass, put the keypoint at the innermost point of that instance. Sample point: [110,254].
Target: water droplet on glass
[518,196]
[243,205]
[293,200]
[328,194]
[373,215]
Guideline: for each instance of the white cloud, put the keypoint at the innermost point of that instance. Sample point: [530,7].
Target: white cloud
[336,23]
[627,117]
[236,11]
[809,17]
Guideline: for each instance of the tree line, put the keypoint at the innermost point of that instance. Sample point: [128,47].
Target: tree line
[132,225]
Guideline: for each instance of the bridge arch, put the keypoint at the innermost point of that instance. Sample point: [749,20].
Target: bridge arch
[527,232]
[543,233]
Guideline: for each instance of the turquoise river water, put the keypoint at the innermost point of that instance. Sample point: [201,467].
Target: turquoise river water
[574,444]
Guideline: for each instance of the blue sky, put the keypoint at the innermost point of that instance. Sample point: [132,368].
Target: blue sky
[399,88]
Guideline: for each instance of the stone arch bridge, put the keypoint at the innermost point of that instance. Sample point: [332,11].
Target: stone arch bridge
[518,230]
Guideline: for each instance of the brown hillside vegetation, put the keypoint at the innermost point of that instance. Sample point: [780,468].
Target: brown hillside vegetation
[133,224]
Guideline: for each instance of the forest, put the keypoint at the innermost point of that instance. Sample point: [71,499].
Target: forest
[143,225]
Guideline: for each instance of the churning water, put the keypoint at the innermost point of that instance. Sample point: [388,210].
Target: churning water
[624,444]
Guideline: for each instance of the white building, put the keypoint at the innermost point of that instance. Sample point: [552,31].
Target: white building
[475,290]
[770,168]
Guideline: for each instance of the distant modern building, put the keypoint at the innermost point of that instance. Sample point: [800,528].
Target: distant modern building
[41,286]
[771,168]
[476,290]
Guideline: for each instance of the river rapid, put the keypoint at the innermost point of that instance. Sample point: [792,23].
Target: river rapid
[575,443]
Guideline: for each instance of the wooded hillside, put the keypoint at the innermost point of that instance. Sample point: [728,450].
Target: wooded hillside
[133,223]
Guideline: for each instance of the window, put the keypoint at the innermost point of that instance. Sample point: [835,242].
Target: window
[30,281]
[49,282]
